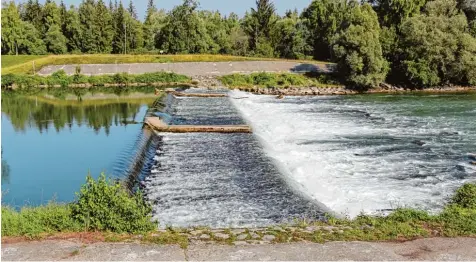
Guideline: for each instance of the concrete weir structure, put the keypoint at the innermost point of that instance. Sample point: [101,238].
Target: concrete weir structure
[209,170]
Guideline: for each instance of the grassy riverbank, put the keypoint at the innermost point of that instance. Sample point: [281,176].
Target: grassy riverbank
[280,80]
[105,206]
[102,205]
[60,78]
[24,64]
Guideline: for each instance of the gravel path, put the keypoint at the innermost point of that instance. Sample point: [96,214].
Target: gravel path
[440,249]
[191,68]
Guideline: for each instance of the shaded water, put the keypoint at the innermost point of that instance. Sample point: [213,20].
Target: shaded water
[369,153]
[50,143]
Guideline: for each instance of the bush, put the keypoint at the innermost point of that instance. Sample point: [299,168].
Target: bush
[59,78]
[32,221]
[465,196]
[106,205]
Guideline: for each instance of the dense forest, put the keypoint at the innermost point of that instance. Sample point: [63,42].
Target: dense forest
[411,42]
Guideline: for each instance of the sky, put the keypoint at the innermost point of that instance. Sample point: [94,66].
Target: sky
[224,6]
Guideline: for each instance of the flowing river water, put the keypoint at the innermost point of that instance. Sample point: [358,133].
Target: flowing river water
[306,156]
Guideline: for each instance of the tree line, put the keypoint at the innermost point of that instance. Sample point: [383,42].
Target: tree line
[410,42]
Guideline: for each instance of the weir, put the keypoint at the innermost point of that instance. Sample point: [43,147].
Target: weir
[214,179]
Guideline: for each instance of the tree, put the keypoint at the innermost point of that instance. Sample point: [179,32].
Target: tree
[87,15]
[104,30]
[119,39]
[260,22]
[73,31]
[32,13]
[323,18]
[63,17]
[11,29]
[436,48]
[30,42]
[51,15]
[392,12]
[184,31]
[55,40]
[290,36]
[357,49]
[150,28]
[132,10]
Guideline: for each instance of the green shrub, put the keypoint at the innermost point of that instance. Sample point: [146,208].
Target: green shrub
[106,205]
[458,221]
[465,196]
[33,221]
[264,79]
[59,78]
[121,78]
[409,215]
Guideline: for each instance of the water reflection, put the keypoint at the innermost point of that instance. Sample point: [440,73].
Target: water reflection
[5,171]
[45,113]
[53,139]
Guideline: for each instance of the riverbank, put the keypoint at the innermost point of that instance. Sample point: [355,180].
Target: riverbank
[78,80]
[94,211]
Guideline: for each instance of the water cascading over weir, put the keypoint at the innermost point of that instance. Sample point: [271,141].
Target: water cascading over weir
[202,166]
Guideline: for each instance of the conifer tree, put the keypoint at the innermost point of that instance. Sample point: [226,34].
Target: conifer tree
[104,30]
[87,16]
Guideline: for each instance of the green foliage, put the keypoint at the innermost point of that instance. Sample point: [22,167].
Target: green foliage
[323,19]
[465,196]
[33,221]
[102,205]
[55,40]
[418,54]
[61,78]
[106,206]
[441,53]
[357,48]
[277,80]
[394,12]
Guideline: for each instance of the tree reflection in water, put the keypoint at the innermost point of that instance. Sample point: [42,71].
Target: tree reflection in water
[44,112]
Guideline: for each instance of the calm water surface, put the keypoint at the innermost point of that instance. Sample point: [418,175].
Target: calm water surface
[50,144]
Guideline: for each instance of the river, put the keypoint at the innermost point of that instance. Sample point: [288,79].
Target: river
[306,156]
[369,153]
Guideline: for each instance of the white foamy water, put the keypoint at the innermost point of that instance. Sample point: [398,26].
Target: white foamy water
[367,153]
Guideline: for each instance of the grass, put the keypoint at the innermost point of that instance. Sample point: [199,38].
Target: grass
[102,205]
[12,60]
[279,80]
[60,78]
[457,219]
[24,65]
